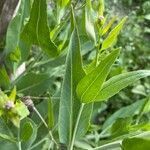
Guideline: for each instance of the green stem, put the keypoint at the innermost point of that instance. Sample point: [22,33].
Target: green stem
[97,53]
[117,144]
[19,142]
[97,57]
[113,145]
[102,134]
[19,145]
[38,143]
[42,119]
[76,126]
[44,98]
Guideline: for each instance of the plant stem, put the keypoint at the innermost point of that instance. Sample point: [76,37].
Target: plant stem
[42,119]
[97,56]
[76,126]
[19,145]
[19,142]
[44,98]
[38,143]
[112,145]
[118,143]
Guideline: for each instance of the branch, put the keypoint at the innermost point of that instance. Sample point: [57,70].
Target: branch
[1,5]
[7,8]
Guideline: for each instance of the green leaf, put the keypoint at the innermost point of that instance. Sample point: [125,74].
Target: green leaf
[112,36]
[136,144]
[119,82]
[139,89]
[83,145]
[52,63]
[84,122]
[90,86]
[12,95]
[33,84]
[121,126]
[4,78]
[89,24]
[61,10]
[15,55]
[124,112]
[63,3]
[26,131]
[36,30]
[3,99]
[73,74]
[69,103]
[101,7]
[6,137]
[15,28]
[141,127]
[108,26]
[5,145]
[30,138]
[147,17]
[90,67]
[146,108]
[54,34]
[21,109]
[17,113]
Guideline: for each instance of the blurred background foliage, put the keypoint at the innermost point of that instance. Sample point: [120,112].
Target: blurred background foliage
[134,40]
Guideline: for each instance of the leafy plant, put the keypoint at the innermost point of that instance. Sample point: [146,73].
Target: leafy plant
[60,55]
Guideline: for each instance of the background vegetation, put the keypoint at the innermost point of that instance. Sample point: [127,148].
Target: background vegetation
[28,68]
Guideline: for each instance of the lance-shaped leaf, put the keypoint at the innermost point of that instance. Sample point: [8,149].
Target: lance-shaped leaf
[12,95]
[101,7]
[139,143]
[61,9]
[90,86]
[36,30]
[34,84]
[15,28]
[119,82]
[7,137]
[69,103]
[72,75]
[108,26]
[62,3]
[124,112]
[27,131]
[112,36]
[4,78]
[89,23]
